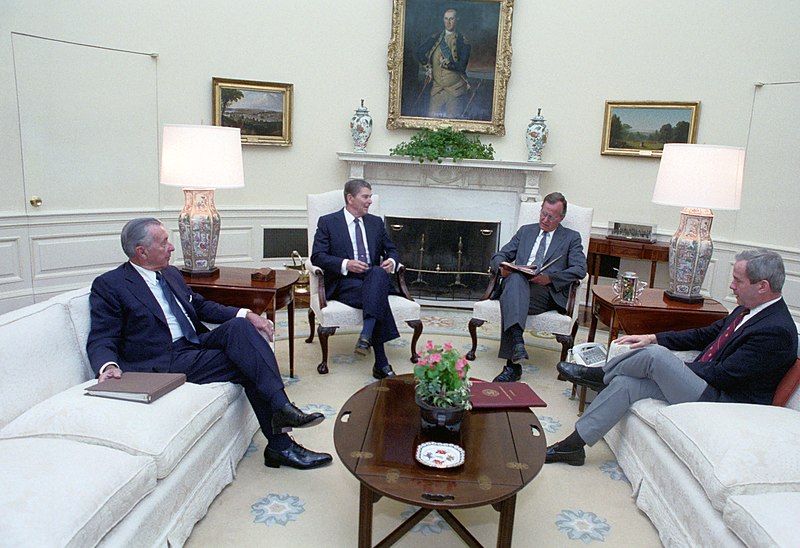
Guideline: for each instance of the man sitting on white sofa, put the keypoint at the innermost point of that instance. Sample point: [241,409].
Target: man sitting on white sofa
[145,318]
[743,358]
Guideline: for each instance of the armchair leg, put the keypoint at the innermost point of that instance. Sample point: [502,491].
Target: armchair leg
[474,324]
[311,321]
[416,325]
[324,333]
[567,341]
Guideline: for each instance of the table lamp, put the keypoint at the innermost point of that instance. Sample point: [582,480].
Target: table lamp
[200,159]
[697,178]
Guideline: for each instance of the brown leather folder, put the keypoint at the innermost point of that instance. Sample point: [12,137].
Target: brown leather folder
[142,387]
[503,394]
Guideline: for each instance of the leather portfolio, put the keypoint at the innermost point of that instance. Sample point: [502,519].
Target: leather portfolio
[133,386]
[503,394]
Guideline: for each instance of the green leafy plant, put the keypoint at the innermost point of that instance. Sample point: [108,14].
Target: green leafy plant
[442,379]
[444,142]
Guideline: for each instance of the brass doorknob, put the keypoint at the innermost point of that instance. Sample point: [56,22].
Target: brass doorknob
[36,201]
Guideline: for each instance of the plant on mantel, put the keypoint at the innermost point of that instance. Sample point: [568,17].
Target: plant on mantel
[443,142]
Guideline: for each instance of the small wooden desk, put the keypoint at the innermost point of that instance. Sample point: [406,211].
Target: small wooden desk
[651,313]
[600,245]
[233,287]
[378,430]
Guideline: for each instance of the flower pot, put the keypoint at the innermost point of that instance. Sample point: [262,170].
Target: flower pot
[432,417]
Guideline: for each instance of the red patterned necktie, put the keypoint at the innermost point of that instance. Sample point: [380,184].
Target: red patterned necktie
[723,337]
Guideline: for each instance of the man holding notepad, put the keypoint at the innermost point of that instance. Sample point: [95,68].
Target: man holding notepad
[556,258]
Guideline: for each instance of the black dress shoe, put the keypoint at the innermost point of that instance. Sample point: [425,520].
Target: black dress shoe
[510,373]
[518,353]
[591,377]
[362,346]
[573,457]
[295,456]
[382,371]
[289,417]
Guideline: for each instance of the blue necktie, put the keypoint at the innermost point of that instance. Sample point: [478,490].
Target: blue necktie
[360,248]
[183,321]
[539,259]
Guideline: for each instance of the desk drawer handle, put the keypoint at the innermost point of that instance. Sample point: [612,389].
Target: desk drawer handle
[437,497]
[486,232]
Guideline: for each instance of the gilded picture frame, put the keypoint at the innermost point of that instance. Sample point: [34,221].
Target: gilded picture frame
[472,75]
[642,128]
[261,110]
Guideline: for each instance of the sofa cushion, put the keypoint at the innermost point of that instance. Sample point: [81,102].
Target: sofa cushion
[36,338]
[77,303]
[734,448]
[63,493]
[163,430]
[648,410]
[764,520]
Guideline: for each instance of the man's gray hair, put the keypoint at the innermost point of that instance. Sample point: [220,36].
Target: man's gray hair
[136,232]
[556,198]
[763,264]
[354,186]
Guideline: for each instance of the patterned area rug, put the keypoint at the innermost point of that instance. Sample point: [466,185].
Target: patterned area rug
[562,506]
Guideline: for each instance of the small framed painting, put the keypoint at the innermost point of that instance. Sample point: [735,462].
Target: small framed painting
[261,110]
[642,129]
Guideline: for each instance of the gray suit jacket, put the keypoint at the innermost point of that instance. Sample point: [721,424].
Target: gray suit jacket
[565,247]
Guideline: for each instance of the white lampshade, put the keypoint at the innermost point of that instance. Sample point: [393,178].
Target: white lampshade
[201,157]
[706,176]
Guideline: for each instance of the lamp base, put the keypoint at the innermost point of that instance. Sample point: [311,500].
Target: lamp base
[200,273]
[691,299]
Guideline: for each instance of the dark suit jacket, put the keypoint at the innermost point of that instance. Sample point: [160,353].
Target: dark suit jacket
[332,245]
[750,365]
[565,244]
[128,325]
[463,49]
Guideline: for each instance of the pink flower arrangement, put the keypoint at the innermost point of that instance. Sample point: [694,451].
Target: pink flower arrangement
[442,376]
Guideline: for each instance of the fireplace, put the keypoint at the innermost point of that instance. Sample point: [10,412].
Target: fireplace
[444,259]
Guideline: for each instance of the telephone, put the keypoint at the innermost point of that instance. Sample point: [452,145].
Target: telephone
[590,354]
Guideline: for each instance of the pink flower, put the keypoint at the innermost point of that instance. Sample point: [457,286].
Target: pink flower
[461,363]
[423,360]
[448,346]
[429,346]
[436,358]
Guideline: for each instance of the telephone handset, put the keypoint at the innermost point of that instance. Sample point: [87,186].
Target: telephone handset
[589,354]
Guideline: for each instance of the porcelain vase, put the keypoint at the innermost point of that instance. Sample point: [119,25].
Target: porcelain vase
[361,128]
[536,137]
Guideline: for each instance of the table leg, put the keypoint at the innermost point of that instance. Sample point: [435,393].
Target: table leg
[290,310]
[365,501]
[592,328]
[652,273]
[506,527]
[594,269]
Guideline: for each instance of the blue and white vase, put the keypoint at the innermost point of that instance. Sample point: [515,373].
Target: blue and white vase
[536,137]
[361,128]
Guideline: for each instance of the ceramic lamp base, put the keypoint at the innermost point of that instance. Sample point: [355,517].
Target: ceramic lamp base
[690,253]
[198,224]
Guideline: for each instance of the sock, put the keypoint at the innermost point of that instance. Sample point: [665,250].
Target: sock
[278,401]
[380,355]
[279,442]
[516,334]
[573,441]
[369,327]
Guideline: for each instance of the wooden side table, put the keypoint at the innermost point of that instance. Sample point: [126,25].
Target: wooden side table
[233,287]
[376,434]
[600,245]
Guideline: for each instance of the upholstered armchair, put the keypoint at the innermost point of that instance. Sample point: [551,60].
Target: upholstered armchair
[563,326]
[333,314]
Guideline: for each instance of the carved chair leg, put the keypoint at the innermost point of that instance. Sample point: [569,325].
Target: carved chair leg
[474,324]
[311,322]
[416,325]
[324,333]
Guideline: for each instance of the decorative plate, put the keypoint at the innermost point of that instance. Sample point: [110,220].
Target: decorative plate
[440,455]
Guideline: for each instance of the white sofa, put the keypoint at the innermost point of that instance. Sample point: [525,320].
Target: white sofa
[78,470]
[715,474]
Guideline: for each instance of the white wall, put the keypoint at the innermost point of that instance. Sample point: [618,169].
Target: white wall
[568,58]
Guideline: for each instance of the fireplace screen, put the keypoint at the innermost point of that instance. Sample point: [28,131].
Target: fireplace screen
[445,259]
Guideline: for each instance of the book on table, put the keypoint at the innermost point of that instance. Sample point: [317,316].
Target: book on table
[134,386]
[485,395]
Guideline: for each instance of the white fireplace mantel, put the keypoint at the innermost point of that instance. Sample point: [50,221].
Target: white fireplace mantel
[524,178]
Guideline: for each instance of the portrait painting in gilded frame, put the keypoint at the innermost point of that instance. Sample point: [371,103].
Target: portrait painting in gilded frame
[449,63]
[261,110]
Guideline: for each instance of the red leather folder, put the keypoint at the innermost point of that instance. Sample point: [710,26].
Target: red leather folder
[503,394]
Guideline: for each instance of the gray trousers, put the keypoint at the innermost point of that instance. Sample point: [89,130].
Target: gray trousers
[518,299]
[649,372]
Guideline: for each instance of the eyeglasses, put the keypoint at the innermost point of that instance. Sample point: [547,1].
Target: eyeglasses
[549,217]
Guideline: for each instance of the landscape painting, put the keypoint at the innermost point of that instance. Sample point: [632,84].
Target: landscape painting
[261,110]
[642,129]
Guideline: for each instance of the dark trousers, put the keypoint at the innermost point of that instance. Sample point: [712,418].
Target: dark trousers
[519,299]
[370,292]
[235,352]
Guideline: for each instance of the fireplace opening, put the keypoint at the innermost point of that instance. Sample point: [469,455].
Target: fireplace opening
[445,259]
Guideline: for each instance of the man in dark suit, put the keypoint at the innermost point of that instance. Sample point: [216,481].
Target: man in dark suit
[357,256]
[743,358]
[544,244]
[145,318]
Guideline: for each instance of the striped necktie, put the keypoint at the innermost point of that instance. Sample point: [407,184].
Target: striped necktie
[723,337]
[360,247]
[183,321]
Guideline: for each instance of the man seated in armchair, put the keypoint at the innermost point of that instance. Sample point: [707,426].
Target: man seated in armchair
[554,250]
